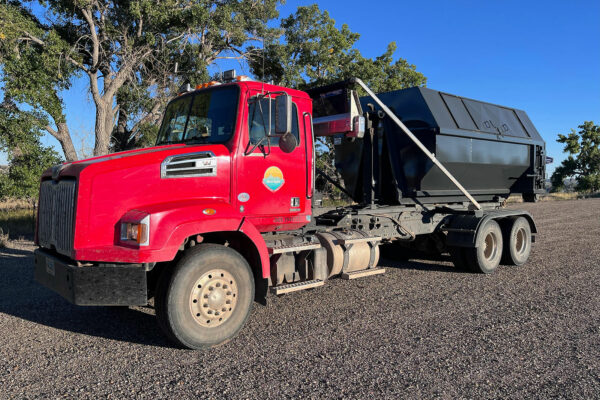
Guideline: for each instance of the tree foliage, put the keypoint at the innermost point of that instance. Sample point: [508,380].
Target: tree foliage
[313,51]
[118,43]
[27,157]
[127,51]
[583,161]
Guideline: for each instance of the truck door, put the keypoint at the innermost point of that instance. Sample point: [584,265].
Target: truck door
[271,185]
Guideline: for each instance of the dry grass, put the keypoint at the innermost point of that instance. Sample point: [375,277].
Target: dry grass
[17,220]
[16,204]
[555,197]
[17,223]
[562,196]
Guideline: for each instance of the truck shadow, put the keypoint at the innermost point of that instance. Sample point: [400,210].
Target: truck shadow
[419,262]
[22,297]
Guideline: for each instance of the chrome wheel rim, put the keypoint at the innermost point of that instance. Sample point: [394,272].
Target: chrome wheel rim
[213,298]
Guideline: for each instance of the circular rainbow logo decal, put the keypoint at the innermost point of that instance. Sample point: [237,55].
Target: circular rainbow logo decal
[273,179]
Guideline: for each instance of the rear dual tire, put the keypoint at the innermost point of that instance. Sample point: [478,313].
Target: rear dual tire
[509,245]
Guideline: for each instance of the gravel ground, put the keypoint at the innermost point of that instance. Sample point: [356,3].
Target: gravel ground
[421,330]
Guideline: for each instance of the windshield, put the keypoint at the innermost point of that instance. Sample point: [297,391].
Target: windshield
[207,116]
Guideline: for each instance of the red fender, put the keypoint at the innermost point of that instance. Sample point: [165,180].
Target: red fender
[221,225]
[171,224]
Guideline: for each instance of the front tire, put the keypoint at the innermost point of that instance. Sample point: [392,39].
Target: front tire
[207,298]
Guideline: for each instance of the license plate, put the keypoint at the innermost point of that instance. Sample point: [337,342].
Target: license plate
[50,266]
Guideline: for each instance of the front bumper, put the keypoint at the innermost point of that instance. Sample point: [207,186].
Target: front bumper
[96,285]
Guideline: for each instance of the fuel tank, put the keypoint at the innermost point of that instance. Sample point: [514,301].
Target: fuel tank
[492,150]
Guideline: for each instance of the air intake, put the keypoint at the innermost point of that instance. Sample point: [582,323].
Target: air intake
[189,165]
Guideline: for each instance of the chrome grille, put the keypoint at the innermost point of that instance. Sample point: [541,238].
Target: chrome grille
[56,221]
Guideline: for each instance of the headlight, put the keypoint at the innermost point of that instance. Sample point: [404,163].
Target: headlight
[133,231]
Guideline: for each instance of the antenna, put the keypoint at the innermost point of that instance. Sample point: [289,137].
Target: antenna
[263,56]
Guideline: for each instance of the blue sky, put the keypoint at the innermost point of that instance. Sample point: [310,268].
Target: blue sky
[539,56]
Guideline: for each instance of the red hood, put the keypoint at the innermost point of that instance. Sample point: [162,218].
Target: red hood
[110,186]
[73,168]
[127,153]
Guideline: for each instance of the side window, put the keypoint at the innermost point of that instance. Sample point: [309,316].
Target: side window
[259,117]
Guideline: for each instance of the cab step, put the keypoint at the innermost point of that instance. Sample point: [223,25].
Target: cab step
[363,273]
[294,287]
[372,239]
[291,248]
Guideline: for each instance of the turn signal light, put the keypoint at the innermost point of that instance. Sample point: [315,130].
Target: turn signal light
[136,232]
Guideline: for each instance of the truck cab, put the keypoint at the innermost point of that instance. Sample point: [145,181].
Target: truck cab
[217,166]
[232,160]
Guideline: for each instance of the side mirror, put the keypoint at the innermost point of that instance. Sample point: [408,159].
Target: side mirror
[287,142]
[283,114]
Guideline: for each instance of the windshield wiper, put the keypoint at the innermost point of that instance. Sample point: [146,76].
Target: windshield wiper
[196,141]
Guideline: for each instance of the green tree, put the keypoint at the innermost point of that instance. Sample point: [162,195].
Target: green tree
[114,43]
[24,171]
[27,157]
[583,161]
[312,51]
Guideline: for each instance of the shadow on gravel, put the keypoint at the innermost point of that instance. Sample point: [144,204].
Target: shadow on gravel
[22,297]
[416,264]
[114,323]
[8,253]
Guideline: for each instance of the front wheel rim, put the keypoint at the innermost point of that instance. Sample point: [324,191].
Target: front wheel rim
[213,298]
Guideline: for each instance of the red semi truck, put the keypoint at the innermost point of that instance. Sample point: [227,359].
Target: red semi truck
[224,207]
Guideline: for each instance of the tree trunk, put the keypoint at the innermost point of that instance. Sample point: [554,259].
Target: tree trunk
[64,138]
[121,135]
[104,126]
[66,142]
